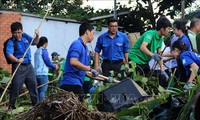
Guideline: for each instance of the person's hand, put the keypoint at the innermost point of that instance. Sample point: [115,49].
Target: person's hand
[188,85]
[37,32]
[165,75]
[57,67]
[94,73]
[156,57]
[96,67]
[20,60]
[110,80]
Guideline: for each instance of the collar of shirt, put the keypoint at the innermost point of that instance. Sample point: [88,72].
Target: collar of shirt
[157,36]
[80,39]
[107,34]
[189,31]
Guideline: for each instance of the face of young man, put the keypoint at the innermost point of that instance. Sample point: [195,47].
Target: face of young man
[165,31]
[90,35]
[17,34]
[113,27]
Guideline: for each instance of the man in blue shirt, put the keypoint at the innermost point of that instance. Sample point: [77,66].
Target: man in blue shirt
[25,73]
[114,46]
[78,62]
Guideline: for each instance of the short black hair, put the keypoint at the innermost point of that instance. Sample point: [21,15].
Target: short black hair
[112,20]
[163,22]
[84,27]
[42,41]
[16,26]
[180,45]
[180,25]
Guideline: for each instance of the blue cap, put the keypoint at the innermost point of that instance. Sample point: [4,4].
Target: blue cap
[55,54]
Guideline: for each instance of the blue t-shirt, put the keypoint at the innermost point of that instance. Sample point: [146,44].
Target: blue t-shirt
[112,48]
[189,57]
[21,47]
[72,75]
[42,61]
[185,39]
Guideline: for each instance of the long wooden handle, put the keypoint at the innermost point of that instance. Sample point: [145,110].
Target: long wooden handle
[106,78]
[23,56]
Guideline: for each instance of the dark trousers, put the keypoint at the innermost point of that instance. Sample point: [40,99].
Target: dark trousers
[108,66]
[25,74]
[76,89]
[86,86]
[143,69]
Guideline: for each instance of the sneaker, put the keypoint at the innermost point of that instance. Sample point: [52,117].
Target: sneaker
[188,85]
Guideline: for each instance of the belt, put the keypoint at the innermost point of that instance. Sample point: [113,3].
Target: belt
[113,61]
[25,64]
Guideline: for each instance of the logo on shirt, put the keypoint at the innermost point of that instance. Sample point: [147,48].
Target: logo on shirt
[26,41]
[119,44]
[183,61]
[148,37]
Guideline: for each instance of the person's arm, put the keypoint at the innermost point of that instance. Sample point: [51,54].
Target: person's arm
[167,55]
[192,75]
[47,61]
[12,58]
[60,72]
[10,52]
[74,62]
[161,61]
[126,57]
[96,61]
[126,48]
[144,49]
[36,40]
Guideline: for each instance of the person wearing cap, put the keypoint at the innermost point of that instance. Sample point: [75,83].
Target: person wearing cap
[54,56]
[53,72]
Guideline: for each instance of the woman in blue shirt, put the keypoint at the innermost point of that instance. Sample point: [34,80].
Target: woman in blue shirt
[42,64]
[190,60]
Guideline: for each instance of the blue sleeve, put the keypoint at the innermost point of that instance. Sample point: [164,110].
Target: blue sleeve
[46,59]
[75,50]
[28,37]
[98,45]
[126,44]
[10,47]
[186,60]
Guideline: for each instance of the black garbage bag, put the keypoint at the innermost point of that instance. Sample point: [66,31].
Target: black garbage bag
[169,110]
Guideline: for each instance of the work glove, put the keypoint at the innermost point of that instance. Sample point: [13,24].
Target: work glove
[94,72]
[163,73]
[110,80]
[156,57]
[188,85]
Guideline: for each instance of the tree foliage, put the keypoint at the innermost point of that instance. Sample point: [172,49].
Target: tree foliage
[141,16]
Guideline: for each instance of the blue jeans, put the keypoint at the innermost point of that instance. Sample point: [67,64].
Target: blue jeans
[42,79]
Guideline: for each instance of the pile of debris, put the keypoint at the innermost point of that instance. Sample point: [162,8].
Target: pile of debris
[63,105]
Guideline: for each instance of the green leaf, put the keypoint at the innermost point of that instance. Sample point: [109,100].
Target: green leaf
[161,89]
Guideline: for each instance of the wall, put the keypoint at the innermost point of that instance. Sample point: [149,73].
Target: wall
[60,33]
[5,21]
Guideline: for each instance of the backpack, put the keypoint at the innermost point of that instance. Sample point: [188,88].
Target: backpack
[15,47]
